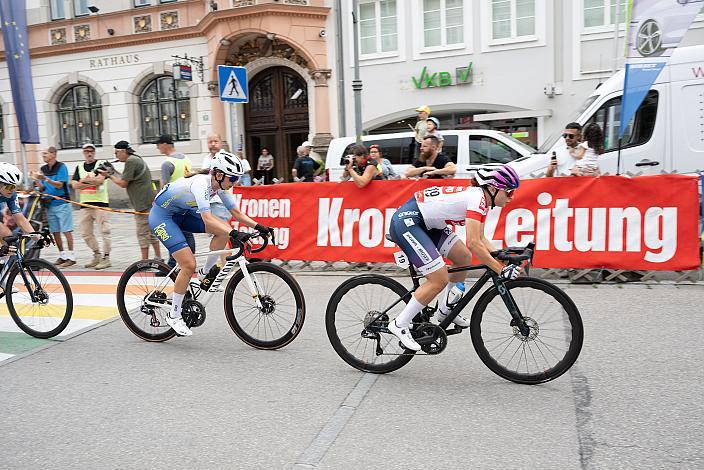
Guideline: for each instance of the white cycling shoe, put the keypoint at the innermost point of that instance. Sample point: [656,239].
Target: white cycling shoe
[404,334]
[178,325]
[459,320]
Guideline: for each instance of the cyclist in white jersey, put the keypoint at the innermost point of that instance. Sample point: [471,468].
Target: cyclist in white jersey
[421,229]
[184,205]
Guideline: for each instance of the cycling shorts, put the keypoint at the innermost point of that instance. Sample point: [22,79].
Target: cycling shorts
[424,247]
[169,227]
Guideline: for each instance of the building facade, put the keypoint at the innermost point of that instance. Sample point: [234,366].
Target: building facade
[523,66]
[104,71]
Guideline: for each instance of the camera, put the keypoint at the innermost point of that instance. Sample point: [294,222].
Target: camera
[105,166]
[346,159]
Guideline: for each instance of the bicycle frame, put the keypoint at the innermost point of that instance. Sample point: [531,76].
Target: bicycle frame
[17,258]
[462,303]
[225,272]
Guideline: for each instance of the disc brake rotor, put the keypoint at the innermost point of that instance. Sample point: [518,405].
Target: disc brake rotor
[534,330]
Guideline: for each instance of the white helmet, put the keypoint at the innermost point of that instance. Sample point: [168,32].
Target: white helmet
[10,174]
[227,163]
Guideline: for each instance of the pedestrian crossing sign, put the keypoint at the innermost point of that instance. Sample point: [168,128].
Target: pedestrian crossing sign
[232,82]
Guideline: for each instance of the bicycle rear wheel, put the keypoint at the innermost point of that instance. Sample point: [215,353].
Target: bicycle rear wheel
[146,280]
[350,310]
[47,314]
[551,347]
[283,310]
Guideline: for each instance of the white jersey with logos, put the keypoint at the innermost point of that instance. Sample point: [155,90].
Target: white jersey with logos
[441,206]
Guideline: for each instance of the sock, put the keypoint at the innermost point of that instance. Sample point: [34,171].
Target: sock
[70,255]
[444,309]
[176,305]
[210,261]
[412,308]
[63,255]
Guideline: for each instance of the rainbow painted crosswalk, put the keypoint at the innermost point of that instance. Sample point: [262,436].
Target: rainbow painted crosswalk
[93,302]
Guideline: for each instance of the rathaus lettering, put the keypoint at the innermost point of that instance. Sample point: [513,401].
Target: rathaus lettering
[114,61]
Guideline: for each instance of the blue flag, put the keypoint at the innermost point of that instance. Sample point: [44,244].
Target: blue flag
[639,79]
[13,18]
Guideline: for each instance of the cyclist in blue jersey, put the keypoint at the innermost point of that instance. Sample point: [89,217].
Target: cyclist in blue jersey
[184,205]
[10,177]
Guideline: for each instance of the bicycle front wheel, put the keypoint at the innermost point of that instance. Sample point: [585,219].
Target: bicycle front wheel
[552,345]
[39,298]
[144,295]
[279,319]
[352,324]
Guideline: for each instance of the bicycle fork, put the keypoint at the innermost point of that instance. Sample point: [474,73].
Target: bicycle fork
[518,320]
[251,282]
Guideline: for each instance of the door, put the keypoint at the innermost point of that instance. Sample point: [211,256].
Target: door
[643,143]
[276,117]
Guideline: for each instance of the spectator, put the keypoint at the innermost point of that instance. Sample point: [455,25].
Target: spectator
[246,179]
[564,162]
[216,206]
[433,129]
[137,180]
[387,169]
[265,165]
[320,172]
[421,128]
[93,191]
[361,167]
[587,153]
[431,163]
[53,179]
[176,166]
[304,167]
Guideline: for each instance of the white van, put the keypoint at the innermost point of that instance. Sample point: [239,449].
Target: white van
[468,149]
[666,134]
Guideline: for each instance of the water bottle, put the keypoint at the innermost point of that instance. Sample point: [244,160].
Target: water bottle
[455,293]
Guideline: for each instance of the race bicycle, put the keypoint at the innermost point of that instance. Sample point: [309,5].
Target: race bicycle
[527,330]
[264,304]
[38,296]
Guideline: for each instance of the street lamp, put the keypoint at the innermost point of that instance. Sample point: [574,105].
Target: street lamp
[356,82]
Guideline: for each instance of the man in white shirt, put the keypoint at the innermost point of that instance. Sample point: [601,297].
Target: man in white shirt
[565,161]
[216,206]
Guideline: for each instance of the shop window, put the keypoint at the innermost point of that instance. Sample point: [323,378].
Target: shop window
[57,9]
[165,109]
[603,12]
[80,117]
[442,23]
[378,28]
[485,149]
[80,7]
[512,19]
[639,130]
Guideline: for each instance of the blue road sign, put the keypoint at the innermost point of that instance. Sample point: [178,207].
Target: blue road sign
[232,83]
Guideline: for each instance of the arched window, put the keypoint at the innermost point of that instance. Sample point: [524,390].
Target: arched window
[165,109]
[80,117]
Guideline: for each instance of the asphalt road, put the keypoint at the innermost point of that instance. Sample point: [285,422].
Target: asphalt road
[105,399]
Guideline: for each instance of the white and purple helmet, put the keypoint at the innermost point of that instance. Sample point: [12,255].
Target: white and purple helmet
[501,177]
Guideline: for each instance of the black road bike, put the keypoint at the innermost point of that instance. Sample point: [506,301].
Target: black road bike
[527,330]
[38,296]
[264,304]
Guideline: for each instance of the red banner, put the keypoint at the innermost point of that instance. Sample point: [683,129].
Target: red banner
[648,222]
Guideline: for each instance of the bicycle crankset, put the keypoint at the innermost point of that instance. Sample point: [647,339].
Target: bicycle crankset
[432,338]
[193,313]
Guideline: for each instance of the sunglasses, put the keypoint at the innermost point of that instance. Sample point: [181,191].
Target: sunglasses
[233,179]
[509,192]
[569,136]
[10,187]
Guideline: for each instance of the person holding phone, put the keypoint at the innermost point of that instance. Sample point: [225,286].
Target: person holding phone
[562,161]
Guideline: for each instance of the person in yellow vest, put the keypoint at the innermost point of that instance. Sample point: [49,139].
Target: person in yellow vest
[92,190]
[176,166]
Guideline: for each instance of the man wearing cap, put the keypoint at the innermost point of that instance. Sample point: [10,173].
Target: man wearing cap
[176,166]
[52,179]
[137,180]
[93,191]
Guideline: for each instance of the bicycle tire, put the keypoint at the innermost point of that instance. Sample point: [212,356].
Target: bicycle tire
[29,323]
[147,271]
[244,316]
[390,290]
[489,342]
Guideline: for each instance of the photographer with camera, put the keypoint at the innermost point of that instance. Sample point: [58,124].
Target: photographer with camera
[93,190]
[360,166]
